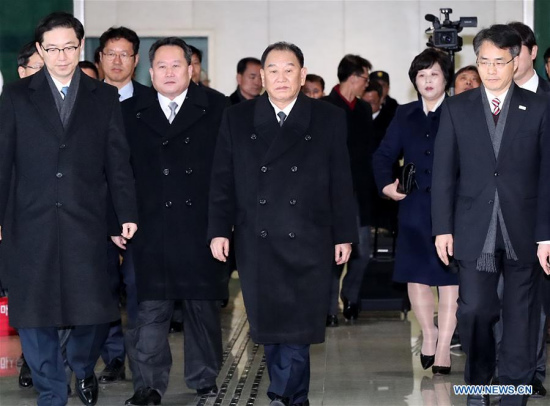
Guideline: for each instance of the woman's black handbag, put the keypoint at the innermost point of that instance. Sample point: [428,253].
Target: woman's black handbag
[407,179]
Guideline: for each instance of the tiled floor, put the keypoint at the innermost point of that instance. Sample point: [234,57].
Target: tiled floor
[374,362]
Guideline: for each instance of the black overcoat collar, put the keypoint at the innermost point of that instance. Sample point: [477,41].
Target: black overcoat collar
[194,107]
[42,97]
[267,126]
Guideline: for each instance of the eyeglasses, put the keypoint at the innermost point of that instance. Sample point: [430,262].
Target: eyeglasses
[367,79]
[36,67]
[498,65]
[110,56]
[69,51]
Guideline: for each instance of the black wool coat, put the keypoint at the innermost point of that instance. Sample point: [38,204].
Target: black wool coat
[55,242]
[361,141]
[287,191]
[172,165]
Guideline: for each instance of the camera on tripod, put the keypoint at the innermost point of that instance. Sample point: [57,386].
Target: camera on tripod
[445,34]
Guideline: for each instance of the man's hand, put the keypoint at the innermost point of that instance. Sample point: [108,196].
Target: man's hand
[543,252]
[128,230]
[444,246]
[220,248]
[391,191]
[342,253]
[119,241]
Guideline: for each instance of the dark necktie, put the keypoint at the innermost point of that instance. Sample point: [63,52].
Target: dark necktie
[282,118]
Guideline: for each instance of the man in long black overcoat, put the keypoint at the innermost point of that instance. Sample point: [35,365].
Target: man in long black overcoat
[62,136]
[282,180]
[172,134]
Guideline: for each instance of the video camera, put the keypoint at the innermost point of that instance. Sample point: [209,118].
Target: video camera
[444,35]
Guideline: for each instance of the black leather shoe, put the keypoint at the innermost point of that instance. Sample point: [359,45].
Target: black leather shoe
[25,376]
[144,397]
[332,320]
[87,389]
[113,371]
[437,370]
[208,391]
[539,391]
[427,360]
[176,327]
[279,401]
[351,310]
[478,400]
[305,403]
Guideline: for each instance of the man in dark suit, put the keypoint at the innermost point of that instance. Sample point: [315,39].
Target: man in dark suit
[388,102]
[61,133]
[248,80]
[490,196]
[172,135]
[119,56]
[353,74]
[281,179]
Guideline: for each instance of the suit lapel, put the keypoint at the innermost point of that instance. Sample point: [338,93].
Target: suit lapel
[83,104]
[296,124]
[514,121]
[193,108]
[477,115]
[41,96]
[265,123]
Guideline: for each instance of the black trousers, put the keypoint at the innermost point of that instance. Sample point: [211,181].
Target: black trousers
[149,352]
[289,371]
[479,309]
[42,350]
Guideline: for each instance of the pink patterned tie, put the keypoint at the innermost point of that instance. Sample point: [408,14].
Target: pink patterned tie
[496,106]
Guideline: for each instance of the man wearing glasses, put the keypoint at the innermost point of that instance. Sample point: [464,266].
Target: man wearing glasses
[490,211]
[29,61]
[119,57]
[62,136]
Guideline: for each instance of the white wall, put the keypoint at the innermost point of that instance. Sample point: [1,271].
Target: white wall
[388,33]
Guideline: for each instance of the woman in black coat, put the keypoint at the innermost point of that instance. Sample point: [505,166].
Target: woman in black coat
[412,132]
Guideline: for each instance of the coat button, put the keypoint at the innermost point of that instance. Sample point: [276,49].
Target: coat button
[427,135]
[164,143]
[262,201]
[138,115]
[189,171]
[428,189]
[58,204]
[62,146]
[253,137]
[263,233]
[263,169]
[291,235]
[490,202]
[188,202]
[428,152]
[168,204]
[187,140]
[496,173]
[307,137]
[428,171]
[166,172]
[59,175]
[292,202]
[294,169]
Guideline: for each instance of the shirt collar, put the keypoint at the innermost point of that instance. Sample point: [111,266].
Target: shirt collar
[126,91]
[434,108]
[374,115]
[532,84]
[59,85]
[286,110]
[164,101]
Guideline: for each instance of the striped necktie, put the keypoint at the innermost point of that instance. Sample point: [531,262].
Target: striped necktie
[496,106]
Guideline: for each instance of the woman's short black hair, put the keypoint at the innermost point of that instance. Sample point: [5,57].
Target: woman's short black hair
[426,59]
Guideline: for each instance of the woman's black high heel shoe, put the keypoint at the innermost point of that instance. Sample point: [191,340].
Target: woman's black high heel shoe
[437,370]
[427,360]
